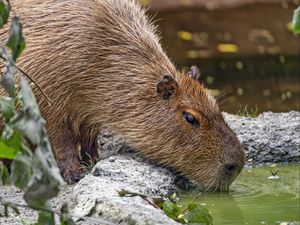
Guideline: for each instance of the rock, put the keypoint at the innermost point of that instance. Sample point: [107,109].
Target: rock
[268,138]
[97,195]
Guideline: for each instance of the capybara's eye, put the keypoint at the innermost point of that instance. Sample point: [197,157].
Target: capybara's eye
[191,119]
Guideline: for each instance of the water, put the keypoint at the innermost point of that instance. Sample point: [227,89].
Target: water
[245,54]
[254,199]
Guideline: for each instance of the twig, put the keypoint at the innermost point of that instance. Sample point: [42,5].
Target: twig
[194,199]
[151,201]
[33,81]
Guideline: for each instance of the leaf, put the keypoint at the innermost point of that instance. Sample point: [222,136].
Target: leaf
[16,41]
[65,218]
[45,218]
[7,107]
[171,209]
[296,21]
[4,175]
[12,138]
[4,12]
[31,129]
[7,152]
[198,215]
[21,171]
[28,100]
[46,179]
[8,78]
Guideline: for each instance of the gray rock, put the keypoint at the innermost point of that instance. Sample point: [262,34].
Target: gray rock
[97,195]
[269,138]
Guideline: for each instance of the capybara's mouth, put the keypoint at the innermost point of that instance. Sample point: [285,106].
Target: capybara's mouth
[222,181]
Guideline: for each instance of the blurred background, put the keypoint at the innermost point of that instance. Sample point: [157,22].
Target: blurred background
[245,49]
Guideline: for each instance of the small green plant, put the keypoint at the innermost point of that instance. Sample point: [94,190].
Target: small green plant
[35,172]
[296,21]
[88,166]
[252,113]
[193,213]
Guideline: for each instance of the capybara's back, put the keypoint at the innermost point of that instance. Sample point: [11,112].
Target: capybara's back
[102,65]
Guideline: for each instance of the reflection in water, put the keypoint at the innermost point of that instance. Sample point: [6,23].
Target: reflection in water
[255,199]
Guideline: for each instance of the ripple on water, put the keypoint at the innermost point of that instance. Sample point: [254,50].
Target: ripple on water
[254,199]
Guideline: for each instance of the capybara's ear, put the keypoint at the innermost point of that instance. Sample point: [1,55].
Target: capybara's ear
[167,87]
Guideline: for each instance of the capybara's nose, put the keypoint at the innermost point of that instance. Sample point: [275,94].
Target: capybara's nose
[231,168]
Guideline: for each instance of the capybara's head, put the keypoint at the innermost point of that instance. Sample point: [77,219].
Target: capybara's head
[197,140]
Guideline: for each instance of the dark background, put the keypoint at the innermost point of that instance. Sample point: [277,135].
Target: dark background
[245,49]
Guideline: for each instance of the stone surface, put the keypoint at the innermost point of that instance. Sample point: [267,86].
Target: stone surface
[28,216]
[99,191]
[269,138]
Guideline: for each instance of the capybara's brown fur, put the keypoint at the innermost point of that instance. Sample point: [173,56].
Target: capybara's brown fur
[101,63]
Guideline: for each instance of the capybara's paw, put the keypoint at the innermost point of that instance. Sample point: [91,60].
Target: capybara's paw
[72,171]
[73,176]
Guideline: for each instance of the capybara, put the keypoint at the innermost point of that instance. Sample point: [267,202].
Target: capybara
[102,65]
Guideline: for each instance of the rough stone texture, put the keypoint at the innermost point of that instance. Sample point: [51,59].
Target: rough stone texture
[99,191]
[269,138]
[29,216]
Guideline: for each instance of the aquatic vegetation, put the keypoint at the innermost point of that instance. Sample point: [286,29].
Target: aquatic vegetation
[252,113]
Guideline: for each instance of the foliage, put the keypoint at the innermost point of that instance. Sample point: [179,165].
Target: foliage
[23,131]
[252,113]
[4,175]
[296,21]
[193,214]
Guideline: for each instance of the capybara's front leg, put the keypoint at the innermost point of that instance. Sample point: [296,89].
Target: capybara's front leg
[69,163]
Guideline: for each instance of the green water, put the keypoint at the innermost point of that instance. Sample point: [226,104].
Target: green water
[254,199]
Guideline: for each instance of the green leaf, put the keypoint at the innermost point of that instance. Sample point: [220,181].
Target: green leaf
[7,152]
[28,100]
[198,215]
[31,123]
[296,21]
[16,41]
[65,218]
[31,128]
[12,138]
[8,78]
[21,171]
[171,209]
[46,178]
[45,218]
[4,175]
[7,107]
[4,12]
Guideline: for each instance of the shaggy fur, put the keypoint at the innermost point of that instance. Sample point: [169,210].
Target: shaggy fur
[100,61]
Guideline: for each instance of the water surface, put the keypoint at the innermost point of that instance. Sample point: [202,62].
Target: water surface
[254,199]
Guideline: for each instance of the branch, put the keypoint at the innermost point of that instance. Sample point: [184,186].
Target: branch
[33,81]
[36,84]
[194,199]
